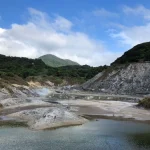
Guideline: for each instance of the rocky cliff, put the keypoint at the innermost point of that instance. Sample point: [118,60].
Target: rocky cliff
[130,79]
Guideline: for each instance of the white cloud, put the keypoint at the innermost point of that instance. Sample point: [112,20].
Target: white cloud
[104,13]
[132,35]
[2,30]
[62,24]
[43,35]
[139,11]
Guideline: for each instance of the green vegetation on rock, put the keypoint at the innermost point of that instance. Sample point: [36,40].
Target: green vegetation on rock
[53,61]
[86,72]
[145,103]
[139,53]
[1,106]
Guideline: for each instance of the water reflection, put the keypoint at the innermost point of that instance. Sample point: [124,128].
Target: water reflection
[141,140]
[96,135]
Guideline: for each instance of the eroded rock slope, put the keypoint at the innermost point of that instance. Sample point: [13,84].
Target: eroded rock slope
[130,79]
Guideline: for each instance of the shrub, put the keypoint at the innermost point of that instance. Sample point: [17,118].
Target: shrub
[145,103]
[9,74]
[1,106]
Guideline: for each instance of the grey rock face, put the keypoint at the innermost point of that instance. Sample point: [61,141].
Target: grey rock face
[124,79]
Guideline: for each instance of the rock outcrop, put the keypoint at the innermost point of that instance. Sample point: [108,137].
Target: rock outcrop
[48,118]
[129,79]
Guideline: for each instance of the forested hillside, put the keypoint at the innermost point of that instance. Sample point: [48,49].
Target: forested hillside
[138,53]
[25,68]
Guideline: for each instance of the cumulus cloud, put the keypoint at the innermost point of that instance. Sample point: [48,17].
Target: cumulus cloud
[43,34]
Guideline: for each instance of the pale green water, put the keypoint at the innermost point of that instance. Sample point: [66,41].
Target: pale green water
[96,135]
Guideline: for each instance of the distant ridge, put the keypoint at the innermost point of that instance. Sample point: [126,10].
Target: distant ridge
[54,61]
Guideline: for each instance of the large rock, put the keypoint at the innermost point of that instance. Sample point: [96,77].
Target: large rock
[122,79]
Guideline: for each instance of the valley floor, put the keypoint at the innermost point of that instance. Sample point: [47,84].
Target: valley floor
[58,108]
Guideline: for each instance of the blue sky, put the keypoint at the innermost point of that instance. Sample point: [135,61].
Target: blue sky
[93,32]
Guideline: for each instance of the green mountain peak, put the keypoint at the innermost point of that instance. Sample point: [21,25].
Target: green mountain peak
[54,61]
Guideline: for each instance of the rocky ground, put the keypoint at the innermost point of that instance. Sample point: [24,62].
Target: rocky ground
[30,105]
[49,107]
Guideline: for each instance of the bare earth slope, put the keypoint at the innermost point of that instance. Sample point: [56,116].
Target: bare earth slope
[122,79]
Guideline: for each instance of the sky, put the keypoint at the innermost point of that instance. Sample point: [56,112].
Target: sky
[92,32]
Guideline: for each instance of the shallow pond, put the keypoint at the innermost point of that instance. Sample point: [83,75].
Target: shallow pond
[95,135]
